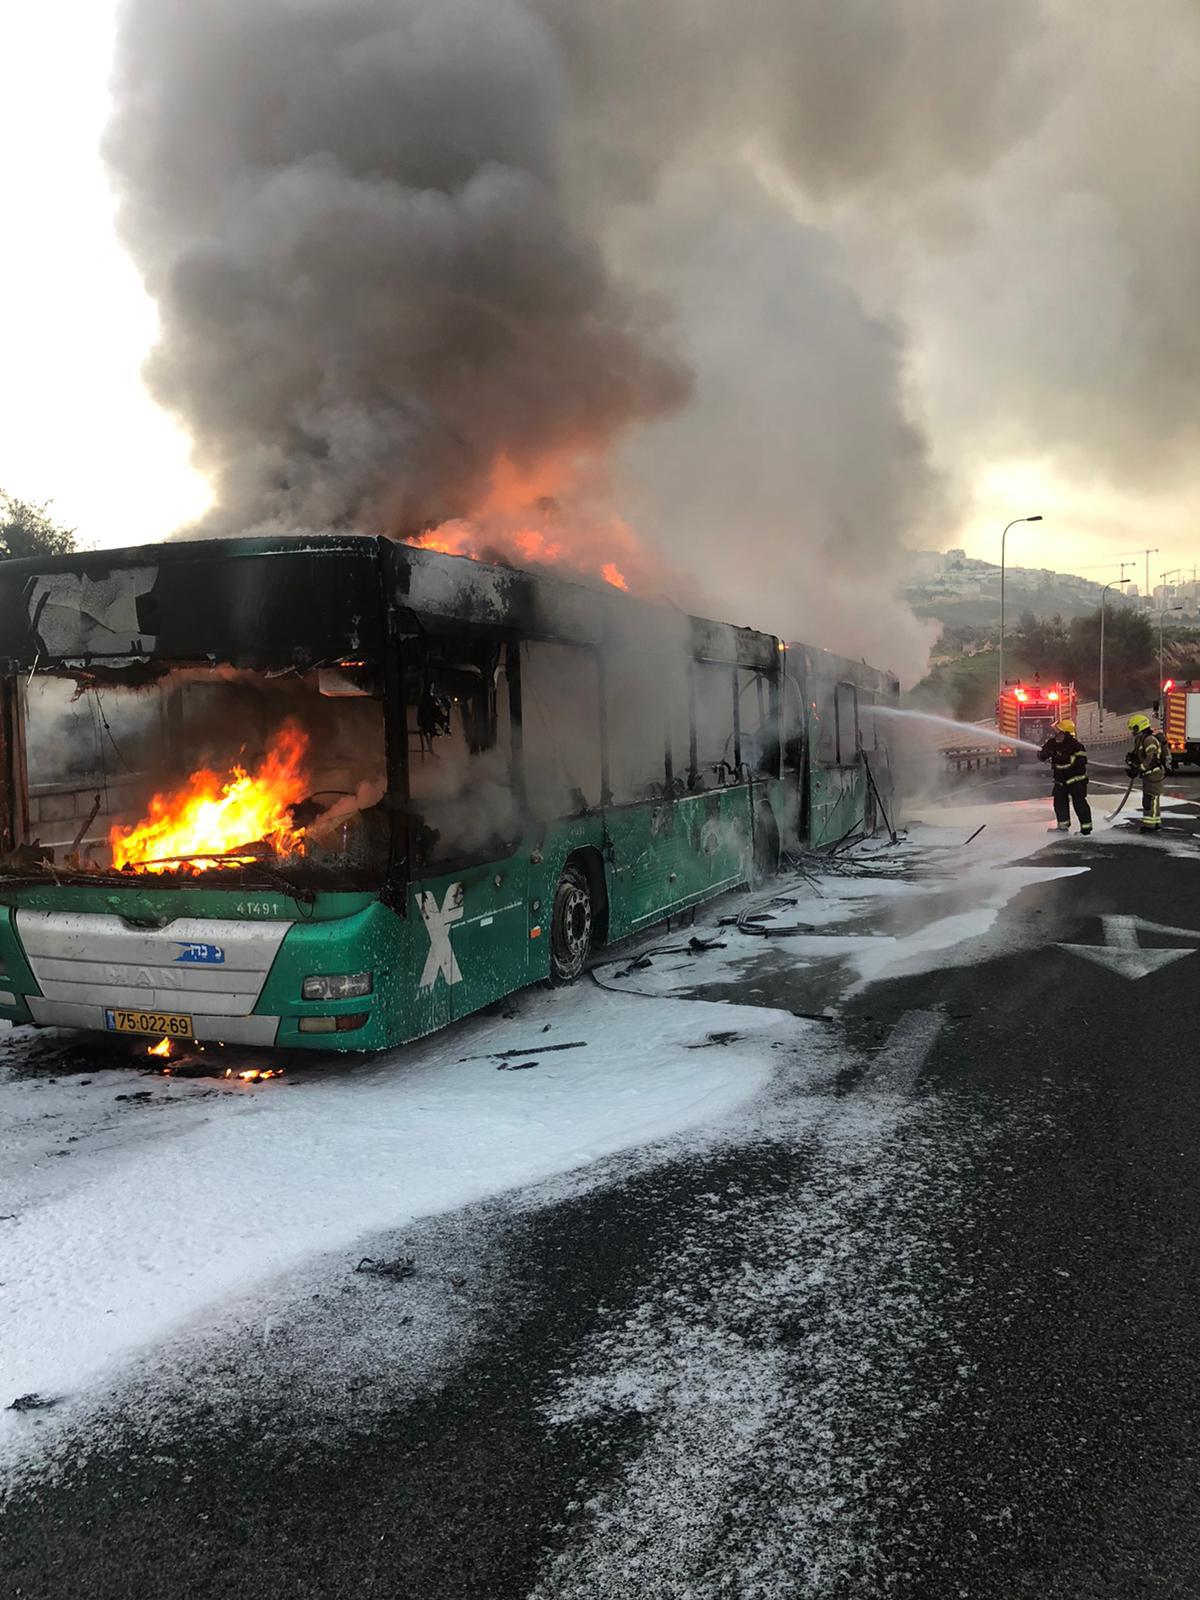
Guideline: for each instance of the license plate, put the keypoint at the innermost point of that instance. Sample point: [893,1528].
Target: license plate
[170,1023]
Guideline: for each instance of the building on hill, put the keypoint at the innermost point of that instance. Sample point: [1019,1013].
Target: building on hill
[957,589]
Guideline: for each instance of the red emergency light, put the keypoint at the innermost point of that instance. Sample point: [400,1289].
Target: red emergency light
[1169,685]
[1021,694]
[1053,695]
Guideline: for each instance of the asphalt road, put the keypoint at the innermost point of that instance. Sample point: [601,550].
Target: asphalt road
[929,1329]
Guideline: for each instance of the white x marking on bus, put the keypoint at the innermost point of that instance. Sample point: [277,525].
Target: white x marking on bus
[437,920]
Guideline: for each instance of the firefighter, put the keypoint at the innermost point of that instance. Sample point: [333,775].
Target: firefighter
[1148,761]
[1068,762]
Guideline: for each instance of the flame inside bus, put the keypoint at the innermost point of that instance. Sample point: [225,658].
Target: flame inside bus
[214,816]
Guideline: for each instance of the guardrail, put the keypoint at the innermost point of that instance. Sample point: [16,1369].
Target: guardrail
[966,757]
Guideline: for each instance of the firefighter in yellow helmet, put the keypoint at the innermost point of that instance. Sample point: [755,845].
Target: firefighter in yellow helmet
[1068,763]
[1148,760]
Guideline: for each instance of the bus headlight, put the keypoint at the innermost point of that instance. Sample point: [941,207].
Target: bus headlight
[337,985]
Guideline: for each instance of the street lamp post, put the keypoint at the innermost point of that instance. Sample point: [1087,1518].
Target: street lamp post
[1161,615]
[1115,583]
[1003,537]
[1149,600]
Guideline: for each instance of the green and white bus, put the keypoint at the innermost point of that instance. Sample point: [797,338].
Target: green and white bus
[478,775]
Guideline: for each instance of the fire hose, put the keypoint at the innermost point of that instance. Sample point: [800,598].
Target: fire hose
[1113,814]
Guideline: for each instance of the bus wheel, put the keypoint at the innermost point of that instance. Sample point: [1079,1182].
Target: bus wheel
[570,926]
[766,847]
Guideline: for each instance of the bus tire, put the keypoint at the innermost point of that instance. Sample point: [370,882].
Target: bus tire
[571,924]
[766,846]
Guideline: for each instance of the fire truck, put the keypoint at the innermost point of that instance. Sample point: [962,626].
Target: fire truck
[1181,721]
[1029,710]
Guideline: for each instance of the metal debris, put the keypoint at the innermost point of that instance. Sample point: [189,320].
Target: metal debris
[403,1267]
[33,1402]
[508,1055]
[760,924]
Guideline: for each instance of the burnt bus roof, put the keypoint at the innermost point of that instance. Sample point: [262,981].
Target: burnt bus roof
[435,587]
[818,665]
[247,602]
[298,600]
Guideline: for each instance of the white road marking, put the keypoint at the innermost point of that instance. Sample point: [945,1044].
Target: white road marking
[903,1053]
[1122,953]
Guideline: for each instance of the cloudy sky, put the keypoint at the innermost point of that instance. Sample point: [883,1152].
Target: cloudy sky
[854,276]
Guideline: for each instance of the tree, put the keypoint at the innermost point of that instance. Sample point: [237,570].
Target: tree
[27,529]
[1043,644]
[1130,657]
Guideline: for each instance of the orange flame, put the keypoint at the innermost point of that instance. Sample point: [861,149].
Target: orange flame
[161,1049]
[211,815]
[451,539]
[537,516]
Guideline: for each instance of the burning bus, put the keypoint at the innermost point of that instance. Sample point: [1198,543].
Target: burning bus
[335,792]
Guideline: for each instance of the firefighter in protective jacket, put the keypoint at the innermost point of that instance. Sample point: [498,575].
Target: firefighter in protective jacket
[1068,762]
[1148,760]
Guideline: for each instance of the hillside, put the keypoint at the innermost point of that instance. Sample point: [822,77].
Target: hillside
[957,589]
[965,688]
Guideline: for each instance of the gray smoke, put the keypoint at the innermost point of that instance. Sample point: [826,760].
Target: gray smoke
[1057,309]
[775,275]
[351,215]
[813,469]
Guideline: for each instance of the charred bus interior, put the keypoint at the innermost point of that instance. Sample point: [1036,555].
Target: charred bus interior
[505,733]
[205,773]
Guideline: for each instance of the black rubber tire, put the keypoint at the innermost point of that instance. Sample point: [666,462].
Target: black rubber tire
[572,923]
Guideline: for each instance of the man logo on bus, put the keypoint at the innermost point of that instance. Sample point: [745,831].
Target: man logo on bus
[438,920]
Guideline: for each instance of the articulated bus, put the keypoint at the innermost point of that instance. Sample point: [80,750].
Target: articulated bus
[335,792]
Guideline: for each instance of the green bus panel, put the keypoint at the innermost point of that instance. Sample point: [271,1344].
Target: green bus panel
[471,935]
[837,803]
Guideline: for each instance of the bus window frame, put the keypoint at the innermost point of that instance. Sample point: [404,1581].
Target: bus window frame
[693,782]
[839,759]
[405,871]
[14,770]
[395,735]
[769,732]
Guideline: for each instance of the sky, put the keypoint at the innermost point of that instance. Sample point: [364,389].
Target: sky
[76,424]
[1018,296]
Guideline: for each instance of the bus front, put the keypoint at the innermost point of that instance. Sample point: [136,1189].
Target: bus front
[197,830]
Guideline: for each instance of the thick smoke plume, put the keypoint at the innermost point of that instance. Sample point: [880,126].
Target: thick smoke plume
[766,282]
[351,215]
